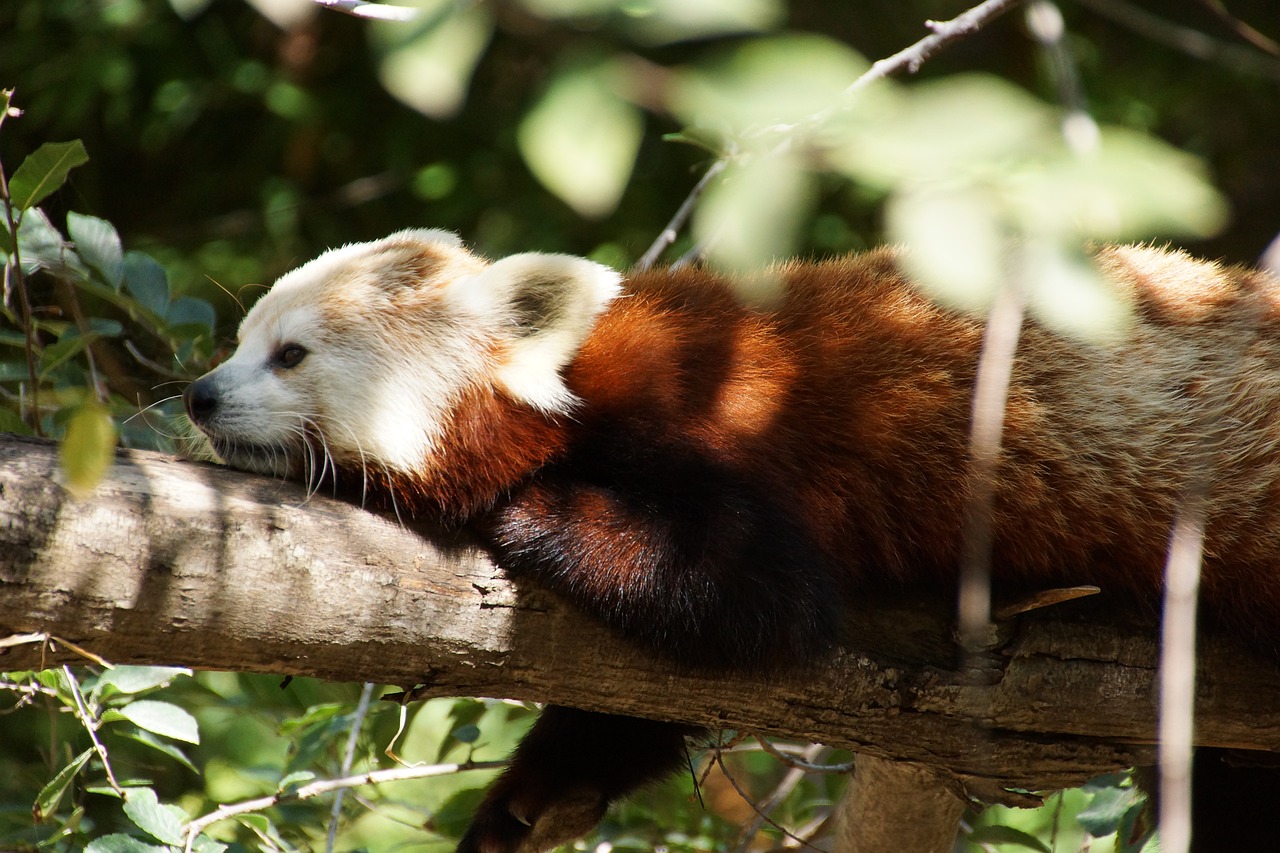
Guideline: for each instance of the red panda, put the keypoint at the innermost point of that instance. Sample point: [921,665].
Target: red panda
[712,479]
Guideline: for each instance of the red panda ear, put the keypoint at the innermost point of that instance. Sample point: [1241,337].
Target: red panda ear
[547,305]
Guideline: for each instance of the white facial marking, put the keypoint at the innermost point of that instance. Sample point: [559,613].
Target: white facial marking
[395,331]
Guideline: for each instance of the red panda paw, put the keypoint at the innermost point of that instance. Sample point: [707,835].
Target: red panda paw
[529,823]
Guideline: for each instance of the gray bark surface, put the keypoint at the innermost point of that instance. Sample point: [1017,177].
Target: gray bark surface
[181,563]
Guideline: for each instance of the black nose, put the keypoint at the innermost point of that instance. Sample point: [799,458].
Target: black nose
[200,400]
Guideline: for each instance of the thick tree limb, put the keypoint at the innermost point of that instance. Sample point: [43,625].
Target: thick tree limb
[172,562]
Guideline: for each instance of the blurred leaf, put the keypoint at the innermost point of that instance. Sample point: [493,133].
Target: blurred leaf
[428,64]
[1131,187]
[51,794]
[666,21]
[189,311]
[98,245]
[962,127]
[162,718]
[750,217]
[147,282]
[44,171]
[123,844]
[767,82]
[138,679]
[1007,835]
[580,140]
[88,448]
[954,244]
[162,822]
[1067,292]
[204,844]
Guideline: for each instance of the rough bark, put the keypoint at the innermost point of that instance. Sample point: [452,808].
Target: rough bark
[173,562]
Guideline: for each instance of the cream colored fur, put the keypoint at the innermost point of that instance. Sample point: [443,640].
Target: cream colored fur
[396,331]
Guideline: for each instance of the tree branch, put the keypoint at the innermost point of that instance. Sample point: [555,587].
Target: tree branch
[179,563]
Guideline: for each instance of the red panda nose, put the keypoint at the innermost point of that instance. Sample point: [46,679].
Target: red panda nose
[200,400]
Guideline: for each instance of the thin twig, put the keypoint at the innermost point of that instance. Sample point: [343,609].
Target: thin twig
[91,726]
[796,760]
[325,786]
[944,33]
[348,756]
[15,280]
[909,59]
[746,798]
[1189,41]
[798,770]
[669,234]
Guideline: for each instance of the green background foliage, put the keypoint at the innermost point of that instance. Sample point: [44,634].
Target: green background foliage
[224,147]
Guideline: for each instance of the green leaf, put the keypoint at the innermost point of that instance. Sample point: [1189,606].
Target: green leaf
[204,844]
[162,822]
[123,844]
[138,679]
[954,243]
[771,82]
[51,794]
[162,718]
[428,65]
[189,311]
[580,139]
[292,782]
[1007,835]
[98,245]
[163,746]
[1106,810]
[147,281]
[452,818]
[751,216]
[1068,293]
[44,171]
[88,448]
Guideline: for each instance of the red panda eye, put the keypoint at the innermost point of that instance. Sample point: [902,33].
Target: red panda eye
[289,355]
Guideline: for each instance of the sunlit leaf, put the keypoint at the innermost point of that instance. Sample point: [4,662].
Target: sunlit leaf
[51,794]
[88,448]
[162,718]
[428,64]
[98,245]
[1131,187]
[962,126]
[44,171]
[953,244]
[162,822]
[1067,292]
[750,217]
[580,140]
[171,750]
[42,245]
[768,82]
[138,679]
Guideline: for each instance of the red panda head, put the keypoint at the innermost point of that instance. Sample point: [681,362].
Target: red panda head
[359,357]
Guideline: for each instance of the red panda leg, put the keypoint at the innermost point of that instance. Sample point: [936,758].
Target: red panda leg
[565,773]
[690,562]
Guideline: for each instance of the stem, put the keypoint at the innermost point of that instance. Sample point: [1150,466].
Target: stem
[13,276]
